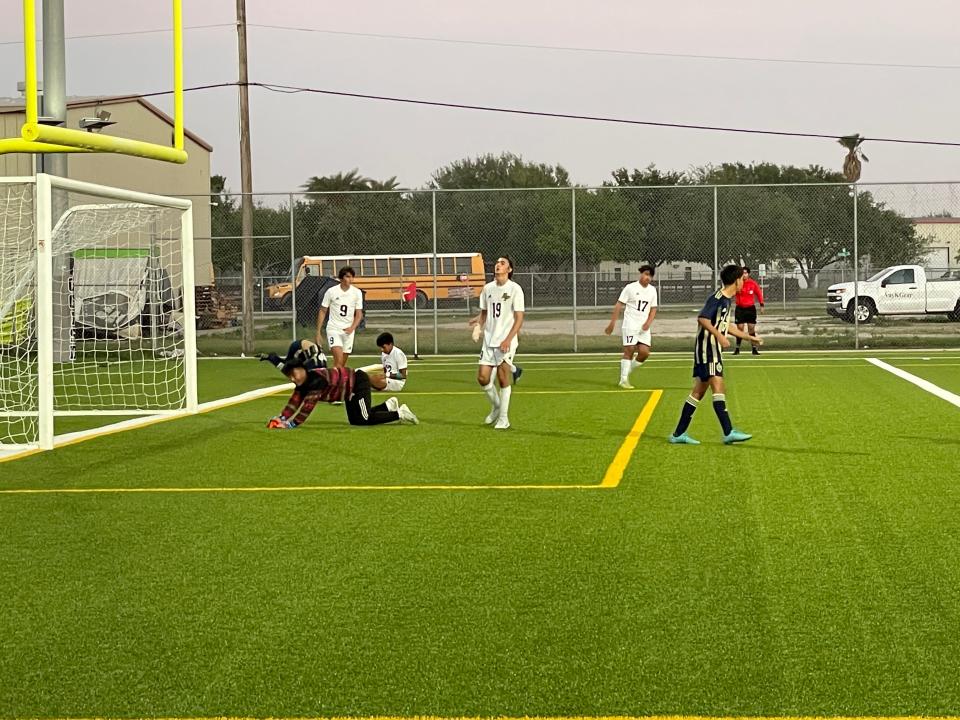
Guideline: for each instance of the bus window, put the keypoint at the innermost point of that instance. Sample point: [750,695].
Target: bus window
[329,269]
[463,266]
[364,268]
[408,267]
[380,267]
[312,269]
[447,265]
[395,266]
[423,266]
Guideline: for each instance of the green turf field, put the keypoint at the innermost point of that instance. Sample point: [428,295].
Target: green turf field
[812,571]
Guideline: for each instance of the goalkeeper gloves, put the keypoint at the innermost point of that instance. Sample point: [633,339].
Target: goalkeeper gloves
[273,358]
[279,423]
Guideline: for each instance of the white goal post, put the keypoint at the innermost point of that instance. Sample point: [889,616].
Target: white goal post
[97,307]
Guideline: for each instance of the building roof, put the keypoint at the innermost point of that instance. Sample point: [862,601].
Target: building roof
[935,220]
[16,105]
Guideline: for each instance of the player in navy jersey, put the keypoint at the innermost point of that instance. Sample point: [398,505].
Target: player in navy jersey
[714,321]
[316,383]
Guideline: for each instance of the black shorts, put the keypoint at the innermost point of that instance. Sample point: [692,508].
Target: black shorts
[705,371]
[745,315]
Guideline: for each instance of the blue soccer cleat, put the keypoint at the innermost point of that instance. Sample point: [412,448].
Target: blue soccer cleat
[735,436]
[517,372]
[682,440]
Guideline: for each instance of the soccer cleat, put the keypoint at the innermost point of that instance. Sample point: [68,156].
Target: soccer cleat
[407,416]
[682,440]
[737,351]
[625,384]
[492,417]
[735,436]
[393,405]
[756,352]
[517,372]
[502,423]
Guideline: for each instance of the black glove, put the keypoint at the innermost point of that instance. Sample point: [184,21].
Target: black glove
[274,359]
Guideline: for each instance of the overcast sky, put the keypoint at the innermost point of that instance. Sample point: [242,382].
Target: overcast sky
[296,136]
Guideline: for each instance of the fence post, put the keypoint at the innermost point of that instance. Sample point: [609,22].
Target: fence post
[436,323]
[531,288]
[716,241]
[293,277]
[856,273]
[783,276]
[573,236]
[596,302]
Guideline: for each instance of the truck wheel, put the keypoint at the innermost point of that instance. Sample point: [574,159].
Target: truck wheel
[955,315]
[865,310]
[421,300]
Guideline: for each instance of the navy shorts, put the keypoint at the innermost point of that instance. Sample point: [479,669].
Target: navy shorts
[705,371]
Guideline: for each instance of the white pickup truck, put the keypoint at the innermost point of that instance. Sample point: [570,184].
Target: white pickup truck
[897,290]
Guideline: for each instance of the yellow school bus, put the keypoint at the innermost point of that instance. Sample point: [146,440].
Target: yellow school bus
[384,277]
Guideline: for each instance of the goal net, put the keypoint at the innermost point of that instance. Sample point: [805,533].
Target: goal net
[96,307]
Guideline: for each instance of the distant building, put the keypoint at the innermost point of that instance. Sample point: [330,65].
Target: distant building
[942,235]
[136,118]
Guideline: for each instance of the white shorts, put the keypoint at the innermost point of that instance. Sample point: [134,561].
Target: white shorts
[494,356]
[394,385]
[342,340]
[634,335]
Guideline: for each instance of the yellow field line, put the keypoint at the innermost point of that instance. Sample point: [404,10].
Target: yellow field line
[610,480]
[615,472]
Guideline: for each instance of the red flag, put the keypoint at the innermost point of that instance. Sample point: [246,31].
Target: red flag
[410,292]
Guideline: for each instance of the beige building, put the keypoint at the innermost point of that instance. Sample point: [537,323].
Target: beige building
[138,119]
[942,235]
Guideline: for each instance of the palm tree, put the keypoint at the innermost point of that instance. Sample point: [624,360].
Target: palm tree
[351,180]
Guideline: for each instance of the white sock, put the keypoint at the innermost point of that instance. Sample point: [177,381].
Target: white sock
[634,364]
[624,369]
[492,395]
[505,400]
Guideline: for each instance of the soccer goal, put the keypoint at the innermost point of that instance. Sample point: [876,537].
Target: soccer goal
[96,308]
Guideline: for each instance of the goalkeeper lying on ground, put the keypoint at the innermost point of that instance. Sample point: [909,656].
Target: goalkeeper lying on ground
[306,367]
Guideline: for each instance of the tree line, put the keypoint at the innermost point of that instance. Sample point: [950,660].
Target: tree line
[639,215]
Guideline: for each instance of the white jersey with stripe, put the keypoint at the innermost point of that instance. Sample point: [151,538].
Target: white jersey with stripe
[501,302]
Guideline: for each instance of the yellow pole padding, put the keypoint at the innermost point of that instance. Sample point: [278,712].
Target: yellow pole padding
[30,59]
[16,145]
[178,74]
[101,143]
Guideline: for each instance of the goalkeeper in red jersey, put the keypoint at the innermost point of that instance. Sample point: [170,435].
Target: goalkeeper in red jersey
[306,367]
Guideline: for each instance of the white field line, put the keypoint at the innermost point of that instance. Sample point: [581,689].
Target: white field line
[950,397]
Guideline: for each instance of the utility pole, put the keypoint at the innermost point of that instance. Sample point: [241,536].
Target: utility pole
[246,182]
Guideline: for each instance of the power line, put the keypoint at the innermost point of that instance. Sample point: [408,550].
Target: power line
[125,33]
[610,51]
[290,89]
[528,46]
[293,89]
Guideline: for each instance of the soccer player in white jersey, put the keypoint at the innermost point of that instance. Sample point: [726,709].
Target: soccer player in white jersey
[501,317]
[639,303]
[394,362]
[342,308]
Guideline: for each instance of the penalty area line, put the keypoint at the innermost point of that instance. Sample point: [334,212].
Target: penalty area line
[614,473]
[950,397]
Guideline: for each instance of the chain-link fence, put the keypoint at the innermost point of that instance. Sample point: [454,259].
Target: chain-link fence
[820,252]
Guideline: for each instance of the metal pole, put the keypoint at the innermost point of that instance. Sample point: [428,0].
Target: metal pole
[716,241]
[573,236]
[54,103]
[595,296]
[856,274]
[436,322]
[531,288]
[293,276]
[784,278]
[246,182]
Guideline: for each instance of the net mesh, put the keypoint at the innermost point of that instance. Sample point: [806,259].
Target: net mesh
[18,359]
[117,307]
